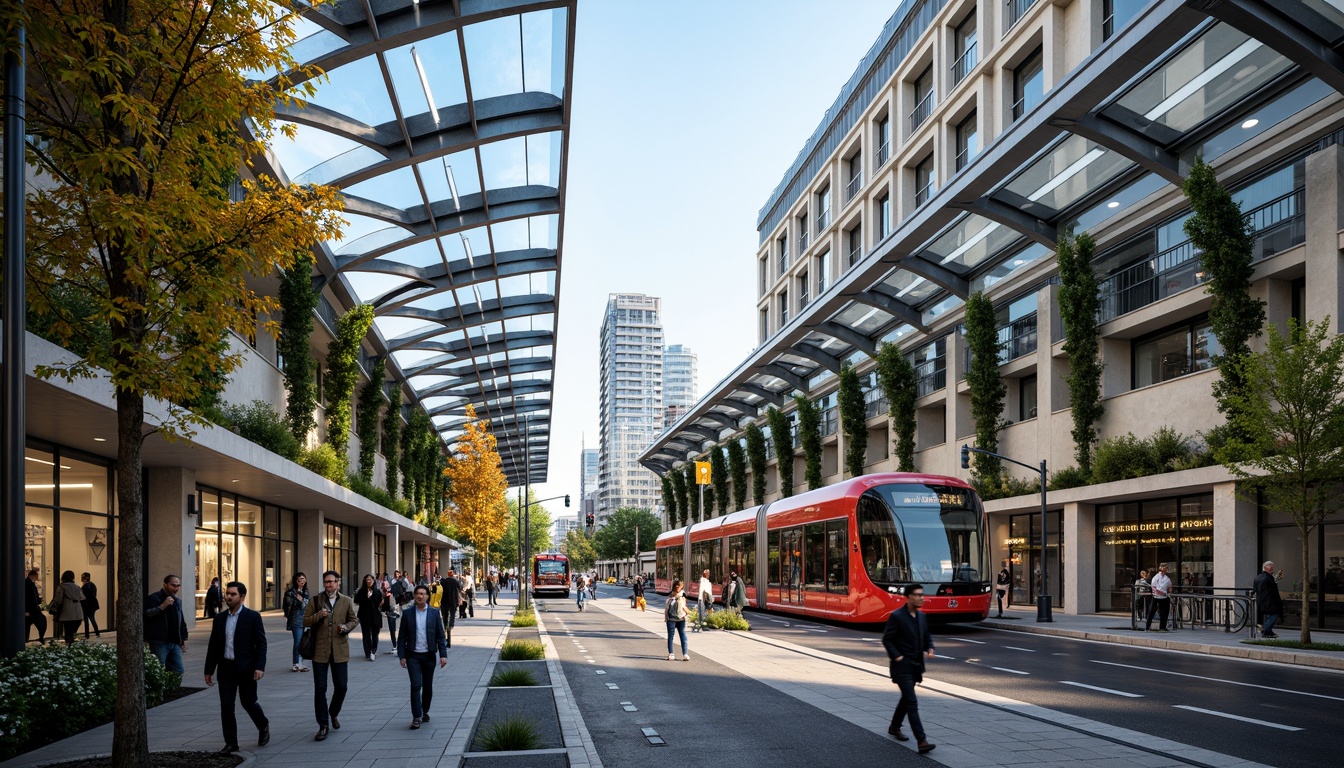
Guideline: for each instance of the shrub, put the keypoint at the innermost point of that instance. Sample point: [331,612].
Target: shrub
[728,620]
[523,619]
[509,735]
[41,680]
[1004,486]
[1069,477]
[522,650]
[1121,458]
[263,426]
[324,461]
[512,678]
[377,495]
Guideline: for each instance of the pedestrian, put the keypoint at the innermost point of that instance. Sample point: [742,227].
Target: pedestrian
[422,636]
[1001,584]
[449,603]
[32,609]
[237,650]
[214,598]
[392,612]
[592,585]
[332,617]
[706,603]
[675,614]
[1161,604]
[581,590]
[295,604]
[491,591]
[908,644]
[1268,603]
[165,626]
[468,595]
[369,601]
[636,593]
[67,607]
[1142,591]
[91,605]
[736,598]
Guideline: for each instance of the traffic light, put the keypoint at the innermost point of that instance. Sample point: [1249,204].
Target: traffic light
[590,520]
[566,499]
[965,457]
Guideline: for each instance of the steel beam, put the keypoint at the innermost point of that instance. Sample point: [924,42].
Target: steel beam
[1129,144]
[892,306]
[1011,217]
[850,336]
[1261,21]
[935,273]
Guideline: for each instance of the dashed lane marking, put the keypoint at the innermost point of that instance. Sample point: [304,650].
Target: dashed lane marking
[1015,648]
[966,640]
[1011,671]
[1167,672]
[1230,716]
[1111,691]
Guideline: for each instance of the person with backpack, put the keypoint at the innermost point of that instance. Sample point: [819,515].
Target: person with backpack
[294,604]
[735,598]
[675,615]
[581,586]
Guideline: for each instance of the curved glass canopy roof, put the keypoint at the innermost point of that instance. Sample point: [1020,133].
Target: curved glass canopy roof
[445,123]
[1173,84]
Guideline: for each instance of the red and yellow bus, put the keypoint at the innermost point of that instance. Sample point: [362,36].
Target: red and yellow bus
[550,575]
[845,552]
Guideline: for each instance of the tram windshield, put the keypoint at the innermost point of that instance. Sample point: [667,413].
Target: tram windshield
[921,533]
[551,567]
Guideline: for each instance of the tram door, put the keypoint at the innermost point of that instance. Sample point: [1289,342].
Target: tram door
[791,565]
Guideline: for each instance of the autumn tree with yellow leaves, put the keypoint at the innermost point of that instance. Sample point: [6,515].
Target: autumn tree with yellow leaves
[478,510]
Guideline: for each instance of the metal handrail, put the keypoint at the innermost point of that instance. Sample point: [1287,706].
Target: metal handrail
[1016,10]
[921,111]
[852,186]
[883,153]
[965,63]
[1231,609]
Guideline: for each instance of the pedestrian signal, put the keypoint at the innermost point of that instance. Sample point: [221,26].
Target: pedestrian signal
[702,473]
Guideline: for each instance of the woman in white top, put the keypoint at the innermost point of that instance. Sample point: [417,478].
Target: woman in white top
[676,621]
[706,601]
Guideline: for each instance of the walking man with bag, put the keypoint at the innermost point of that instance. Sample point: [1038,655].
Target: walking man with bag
[422,637]
[237,650]
[332,617]
[908,643]
[1267,600]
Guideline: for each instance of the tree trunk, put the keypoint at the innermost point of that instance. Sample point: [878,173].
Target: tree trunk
[1306,584]
[130,736]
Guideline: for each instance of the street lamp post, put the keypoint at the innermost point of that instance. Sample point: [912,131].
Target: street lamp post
[1043,604]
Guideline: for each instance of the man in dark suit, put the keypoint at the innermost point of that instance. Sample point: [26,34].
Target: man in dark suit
[421,637]
[238,651]
[32,608]
[907,640]
[450,603]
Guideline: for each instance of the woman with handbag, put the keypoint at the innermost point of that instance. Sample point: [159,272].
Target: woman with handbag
[91,605]
[369,602]
[294,605]
[68,606]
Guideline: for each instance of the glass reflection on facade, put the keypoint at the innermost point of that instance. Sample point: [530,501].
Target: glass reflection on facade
[238,539]
[1281,541]
[1024,557]
[1141,535]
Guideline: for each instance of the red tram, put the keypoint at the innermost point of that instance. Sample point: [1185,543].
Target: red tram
[846,551]
[550,575]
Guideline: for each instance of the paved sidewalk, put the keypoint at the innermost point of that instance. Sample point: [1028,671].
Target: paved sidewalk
[374,729]
[972,729]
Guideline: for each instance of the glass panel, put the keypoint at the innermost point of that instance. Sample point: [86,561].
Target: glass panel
[228,519]
[1068,172]
[396,188]
[1162,358]
[356,90]
[1196,534]
[1332,585]
[39,541]
[837,556]
[249,517]
[39,477]
[1284,546]
[864,318]
[494,57]
[1258,121]
[971,241]
[814,557]
[209,510]
[442,64]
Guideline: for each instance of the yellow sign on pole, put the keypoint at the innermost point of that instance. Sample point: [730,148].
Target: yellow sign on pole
[702,474]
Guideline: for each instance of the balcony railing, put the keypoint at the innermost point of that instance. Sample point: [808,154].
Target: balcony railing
[883,154]
[852,188]
[830,421]
[875,403]
[1016,10]
[921,111]
[1017,338]
[854,255]
[965,63]
[963,157]
[1278,225]
[930,375]
[823,219]
[802,237]
[923,194]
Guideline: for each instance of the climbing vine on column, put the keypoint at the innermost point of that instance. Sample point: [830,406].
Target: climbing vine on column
[809,434]
[781,434]
[756,459]
[896,376]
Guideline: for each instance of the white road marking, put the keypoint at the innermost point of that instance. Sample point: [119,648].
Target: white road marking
[1111,691]
[1251,720]
[941,656]
[1217,680]
[1015,648]
[1013,671]
[965,640]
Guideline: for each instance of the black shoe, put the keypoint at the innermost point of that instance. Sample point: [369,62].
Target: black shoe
[925,746]
[424,718]
[897,733]
[227,749]
[1270,635]
[264,735]
[321,733]
[415,724]
[335,723]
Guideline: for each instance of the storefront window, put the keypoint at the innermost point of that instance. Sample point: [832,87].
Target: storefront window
[339,550]
[1024,557]
[1142,535]
[239,539]
[1281,542]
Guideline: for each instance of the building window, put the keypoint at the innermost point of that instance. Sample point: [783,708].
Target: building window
[968,140]
[783,309]
[924,101]
[882,138]
[1298,310]
[1117,13]
[783,251]
[802,290]
[764,275]
[1169,354]
[1017,9]
[1141,535]
[823,209]
[238,539]
[822,269]
[765,325]
[854,245]
[379,555]
[1024,557]
[965,44]
[854,174]
[1026,398]
[1028,84]
[802,231]
[340,545]
[926,180]
[882,209]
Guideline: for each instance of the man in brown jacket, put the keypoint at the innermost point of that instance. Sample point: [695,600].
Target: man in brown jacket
[332,617]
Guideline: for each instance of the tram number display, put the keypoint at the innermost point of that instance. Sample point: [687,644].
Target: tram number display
[943,498]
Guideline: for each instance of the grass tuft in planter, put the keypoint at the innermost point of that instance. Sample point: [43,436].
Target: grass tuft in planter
[522,650]
[523,619]
[728,620]
[510,735]
[512,678]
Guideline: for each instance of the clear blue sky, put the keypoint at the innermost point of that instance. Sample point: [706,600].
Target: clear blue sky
[685,117]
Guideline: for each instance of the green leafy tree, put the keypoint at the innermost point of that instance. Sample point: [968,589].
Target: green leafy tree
[366,419]
[809,432]
[737,467]
[1223,236]
[578,547]
[782,436]
[133,135]
[693,494]
[1079,304]
[756,460]
[615,540]
[853,419]
[1289,436]
[343,374]
[539,521]
[896,376]
[719,471]
[683,498]
[408,461]
[670,501]
[298,299]
[987,388]
[392,441]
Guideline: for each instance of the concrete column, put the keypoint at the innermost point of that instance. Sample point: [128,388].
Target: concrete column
[309,552]
[393,534]
[1080,573]
[364,553]
[1236,536]
[959,421]
[1325,270]
[171,547]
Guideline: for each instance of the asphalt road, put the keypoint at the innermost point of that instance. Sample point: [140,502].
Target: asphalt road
[1276,714]
[707,714]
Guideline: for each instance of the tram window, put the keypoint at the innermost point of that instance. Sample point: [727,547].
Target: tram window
[772,558]
[716,573]
[699,559]
[814,557]
[942,531]
[837,556]
[742,557]
[880,543]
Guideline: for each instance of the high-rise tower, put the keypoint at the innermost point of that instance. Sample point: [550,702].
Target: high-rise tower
[631,403]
